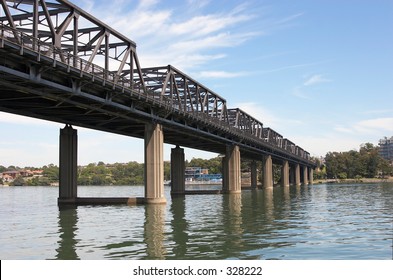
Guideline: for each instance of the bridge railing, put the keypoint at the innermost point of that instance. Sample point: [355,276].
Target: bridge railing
[26,41]
[161,85]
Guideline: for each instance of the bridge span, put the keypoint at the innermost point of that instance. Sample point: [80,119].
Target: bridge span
[59,63]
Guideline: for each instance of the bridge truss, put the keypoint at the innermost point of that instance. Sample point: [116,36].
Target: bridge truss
[60,63]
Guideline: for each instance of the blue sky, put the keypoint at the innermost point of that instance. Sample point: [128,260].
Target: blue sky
[318,72]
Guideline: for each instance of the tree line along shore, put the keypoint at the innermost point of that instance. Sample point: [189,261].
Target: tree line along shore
[365,165]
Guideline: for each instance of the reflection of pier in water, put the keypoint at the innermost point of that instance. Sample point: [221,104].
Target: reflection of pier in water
[188,229]
[68,219]
[151,247]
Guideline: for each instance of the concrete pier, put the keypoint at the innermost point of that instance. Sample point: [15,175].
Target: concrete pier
[154,164]
[268,172]
[254,174]
[305,175]
[292,175]
[311,176]
[297,174]
[285,174]
[178,168]
[68,164]
[231,170]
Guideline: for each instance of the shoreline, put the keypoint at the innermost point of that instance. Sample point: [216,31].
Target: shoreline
[246,184]
[360,180]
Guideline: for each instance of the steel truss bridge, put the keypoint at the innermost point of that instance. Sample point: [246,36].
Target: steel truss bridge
[59,63]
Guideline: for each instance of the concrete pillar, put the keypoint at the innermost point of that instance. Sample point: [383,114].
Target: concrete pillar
[311,175]
[285,174]
[254,175]
[178,168]
[268,172]
[224,167]
[305,175]
[297,174]
[68,163]
[154,164]
[231,170]
[292,180]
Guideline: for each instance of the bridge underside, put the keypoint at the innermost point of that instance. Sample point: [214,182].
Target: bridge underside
[40,91]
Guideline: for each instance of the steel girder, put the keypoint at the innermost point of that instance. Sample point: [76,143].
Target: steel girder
[75,34]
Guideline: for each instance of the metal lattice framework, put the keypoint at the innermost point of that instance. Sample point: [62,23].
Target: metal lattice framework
[173,87]
[74,34]
[243,121]
[98,72]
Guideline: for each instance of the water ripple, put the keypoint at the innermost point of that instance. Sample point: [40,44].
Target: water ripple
[308,222]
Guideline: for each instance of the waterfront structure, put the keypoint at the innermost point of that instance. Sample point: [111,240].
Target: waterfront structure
[199,174]
[386,148]
[10,176]
[60,63]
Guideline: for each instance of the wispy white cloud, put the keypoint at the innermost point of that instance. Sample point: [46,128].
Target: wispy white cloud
[198,4]
[288,67]
[207,24]
[300,93]
[189,34]
[219,40]
[220,74]
[173,35]
[377,126]
[315,79]
[301,90]
[266,116]
[321,145]
[341,128]
[289,19]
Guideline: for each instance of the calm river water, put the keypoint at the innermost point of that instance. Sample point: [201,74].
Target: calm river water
[309,222]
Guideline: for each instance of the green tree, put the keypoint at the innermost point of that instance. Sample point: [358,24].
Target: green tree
[214,165]
[167,170]
[352,164]
[371,159]
[51,172]
[332,164]
[385,168]
[19,181]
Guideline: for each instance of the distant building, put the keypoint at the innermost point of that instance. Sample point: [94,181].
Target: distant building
[386,148]
[200,174]
[12,174]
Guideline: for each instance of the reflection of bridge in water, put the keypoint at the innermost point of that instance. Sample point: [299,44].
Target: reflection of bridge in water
[188,229]
[61,64]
